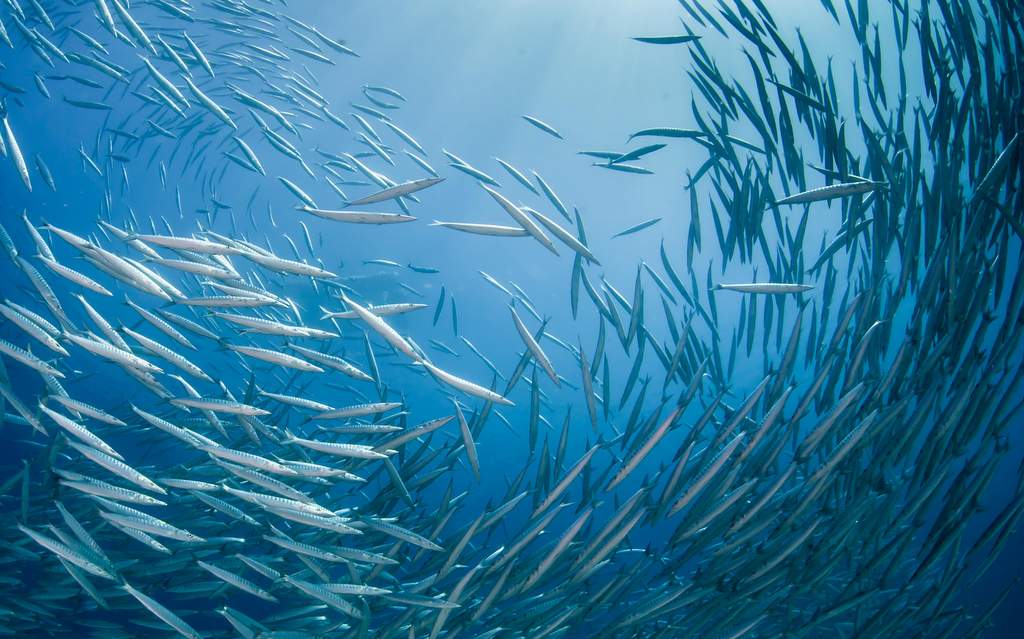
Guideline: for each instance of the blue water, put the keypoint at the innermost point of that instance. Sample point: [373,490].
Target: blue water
[469,72]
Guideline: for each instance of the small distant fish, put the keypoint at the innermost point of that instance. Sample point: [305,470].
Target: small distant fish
[396,191]
[844,189]
[484,229]
[543,126]
[382,262]
[767,287]
[668,132]
[358,217]
[638,227]
[625,168]
[636,153]
[677,39]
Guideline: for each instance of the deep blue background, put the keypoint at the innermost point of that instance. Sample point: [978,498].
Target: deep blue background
[469,71]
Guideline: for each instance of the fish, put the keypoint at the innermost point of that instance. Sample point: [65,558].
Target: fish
[552,197]
[844,189]
[15,151]
[678,39]
[625,168]
[44,172]
[380,310]
[80,431]
[535,349]
[524,221]
[564,236]
[358,217]
[496,230]
[117,467]
[518,175]
[543,126]
[218,405]
[470,170]
[773,288]
[668,132]
[636,153]
[198,54]
[464,385]
[74,276]
[638,227]
[164,82]
[382,328]
[28,359]
[67,553]
[158,609]
[397,191]
[207,102]
[38,332]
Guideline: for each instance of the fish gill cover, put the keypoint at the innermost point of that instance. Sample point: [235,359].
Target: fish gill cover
[293,349]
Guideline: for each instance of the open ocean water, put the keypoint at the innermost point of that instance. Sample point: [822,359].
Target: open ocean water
[731,346]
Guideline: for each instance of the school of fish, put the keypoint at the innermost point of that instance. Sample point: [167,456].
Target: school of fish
[277,474]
